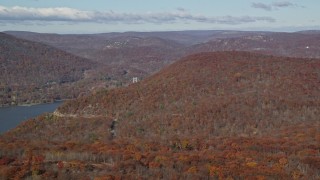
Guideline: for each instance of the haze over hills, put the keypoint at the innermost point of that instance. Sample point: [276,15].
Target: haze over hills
[148,54]
[150,51]
[87,45]
[144,52]
[282,44]
[182,37]
[310,32]
[216,115]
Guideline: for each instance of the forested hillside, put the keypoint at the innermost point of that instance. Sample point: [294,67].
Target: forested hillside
[32,72]
[148,55]
[235,92]
[222,115]
[281,44]
[148,52]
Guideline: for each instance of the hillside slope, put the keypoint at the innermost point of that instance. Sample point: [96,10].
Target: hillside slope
[32,72]
[148,54]
[234,92]
[222,115]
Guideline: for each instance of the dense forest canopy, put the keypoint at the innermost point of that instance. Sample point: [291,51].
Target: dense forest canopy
[32,72]
[222,115]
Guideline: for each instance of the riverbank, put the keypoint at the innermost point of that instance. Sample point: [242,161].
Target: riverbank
[32,104]
[11,116]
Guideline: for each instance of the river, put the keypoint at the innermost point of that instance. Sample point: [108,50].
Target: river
[11,116]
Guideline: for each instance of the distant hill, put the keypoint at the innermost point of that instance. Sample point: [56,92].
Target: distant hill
[298,44]
[140,54]
[221,115]
[140,51]
[32,72]
[309,32]
[80,45]
[148,52]
[181,37]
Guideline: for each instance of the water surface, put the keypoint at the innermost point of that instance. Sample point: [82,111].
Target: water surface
[10,117]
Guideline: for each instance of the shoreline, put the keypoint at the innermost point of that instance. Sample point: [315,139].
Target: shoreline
[11,117]
[32,104]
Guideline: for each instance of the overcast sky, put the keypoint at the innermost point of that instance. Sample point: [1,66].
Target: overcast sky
[96,16]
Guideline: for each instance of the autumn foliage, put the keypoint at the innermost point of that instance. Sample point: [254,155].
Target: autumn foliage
[223,115]
[32,72]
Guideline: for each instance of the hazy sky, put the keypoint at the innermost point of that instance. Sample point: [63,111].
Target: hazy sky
[92,16]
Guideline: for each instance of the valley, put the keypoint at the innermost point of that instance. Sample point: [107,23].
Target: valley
[110,60]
